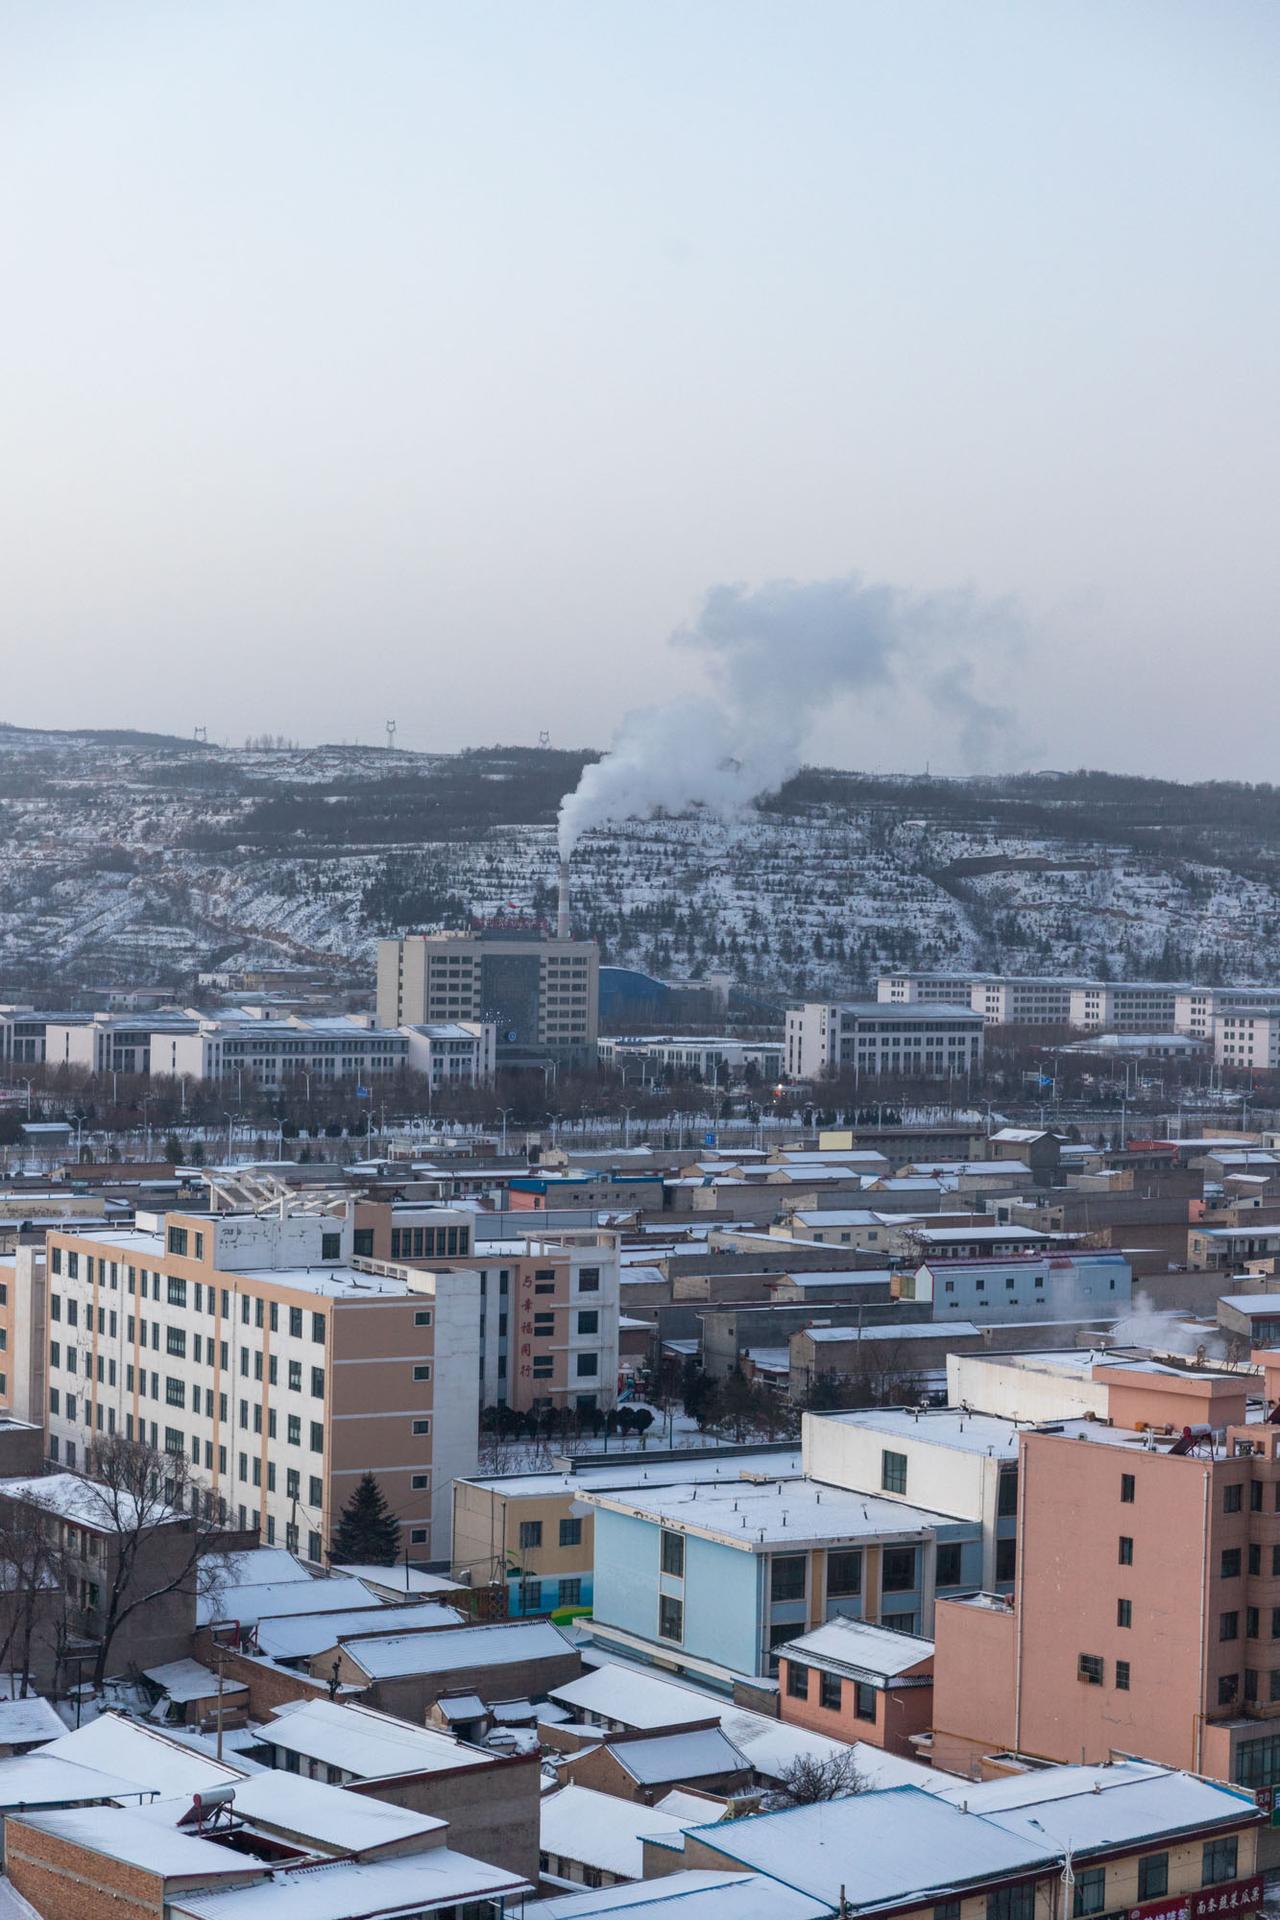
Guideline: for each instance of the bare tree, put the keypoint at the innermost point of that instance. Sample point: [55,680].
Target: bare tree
[151,1506]
[814,1777]
[32,1590]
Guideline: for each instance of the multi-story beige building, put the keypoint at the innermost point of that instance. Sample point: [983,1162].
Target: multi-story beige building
[252,1344]
[548,1300]
[542,994]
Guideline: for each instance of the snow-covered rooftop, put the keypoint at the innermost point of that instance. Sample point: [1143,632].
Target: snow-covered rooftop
[250,1605]
[44,1779]
[365,1743]
[29,1720]
[410,1581]
[952,1427]
[634,1470]
[854,1646]
[127,1835]
[602,1829]
[185,1680]
[86,1503]
[692,1895]
[386,1655]
[699,1753]
[327,1817]
[354,1890]
[133,1751]
[298,1636]
[906,1330]
[791,1512]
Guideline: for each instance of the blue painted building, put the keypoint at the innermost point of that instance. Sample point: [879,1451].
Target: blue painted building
[709,1580]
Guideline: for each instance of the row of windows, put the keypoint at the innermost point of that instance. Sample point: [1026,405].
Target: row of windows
[831,1691]
[176,1292]
[570,1533]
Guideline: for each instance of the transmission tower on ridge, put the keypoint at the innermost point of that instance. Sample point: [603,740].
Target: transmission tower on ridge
[391,735]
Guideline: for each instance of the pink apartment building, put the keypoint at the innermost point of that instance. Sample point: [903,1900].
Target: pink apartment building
[1146,1612]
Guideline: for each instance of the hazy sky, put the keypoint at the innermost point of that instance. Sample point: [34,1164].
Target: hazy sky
[437,359]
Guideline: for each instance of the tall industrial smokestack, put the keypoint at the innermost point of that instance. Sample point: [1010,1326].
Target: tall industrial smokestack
[562,912]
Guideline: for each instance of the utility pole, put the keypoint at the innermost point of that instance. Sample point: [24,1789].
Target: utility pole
[217,1654]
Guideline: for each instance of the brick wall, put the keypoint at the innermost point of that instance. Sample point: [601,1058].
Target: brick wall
[492,1807]
[66,1882]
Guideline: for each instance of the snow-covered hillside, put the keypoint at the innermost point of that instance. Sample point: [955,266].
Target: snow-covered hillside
[142,860]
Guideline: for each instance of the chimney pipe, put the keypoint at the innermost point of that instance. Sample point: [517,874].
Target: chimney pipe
[562,913]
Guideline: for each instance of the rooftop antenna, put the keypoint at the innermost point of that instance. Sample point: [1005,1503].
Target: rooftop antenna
[391,736]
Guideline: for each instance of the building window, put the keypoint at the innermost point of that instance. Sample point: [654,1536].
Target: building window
[420,1372]
[830,1691]
[1229,1568]
[423,1317]
[571,1533]
[797,1680]
[588,1279]
[949,1572]
[1126,1550]
[1124,1613]
[419,1427]
[530,1533]
[570,1592]
[893,1471]
[330,1246]
[673,1554]
[946,1910]
[844,1572]
[1258,1761]
[1091,1891]
[1228,1689]
[178,1240]
[864,1700]
[1128,1487]
[787,1576]
[1218,1861]
[1006,1559]
[1228,1626]
[588,1366]
[670,1618]
[898,1570]
[1089,1667]
[1007,1493]
[1012,1903]
[1233,1497]
[589,1322]
[1153,1876]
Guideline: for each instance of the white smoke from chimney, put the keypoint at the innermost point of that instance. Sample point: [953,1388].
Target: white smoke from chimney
[779,656]
[562,905]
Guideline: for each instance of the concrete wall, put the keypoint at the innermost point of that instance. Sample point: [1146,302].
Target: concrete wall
[973,1685]
[492,1807]
[411,1695]
[722,1591]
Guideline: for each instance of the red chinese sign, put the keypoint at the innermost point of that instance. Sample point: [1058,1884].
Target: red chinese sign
[1232,1897]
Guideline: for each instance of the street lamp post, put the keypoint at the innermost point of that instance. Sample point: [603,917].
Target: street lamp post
[505,1112]
[230,1120]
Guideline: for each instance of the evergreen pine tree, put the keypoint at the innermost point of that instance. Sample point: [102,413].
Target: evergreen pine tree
[368,1532]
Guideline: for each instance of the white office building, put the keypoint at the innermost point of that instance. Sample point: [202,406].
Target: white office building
[873,1037]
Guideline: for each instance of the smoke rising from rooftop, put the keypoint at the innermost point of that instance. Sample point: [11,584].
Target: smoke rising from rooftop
[778,657]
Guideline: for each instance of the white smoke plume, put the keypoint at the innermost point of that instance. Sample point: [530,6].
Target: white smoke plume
[778,657]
